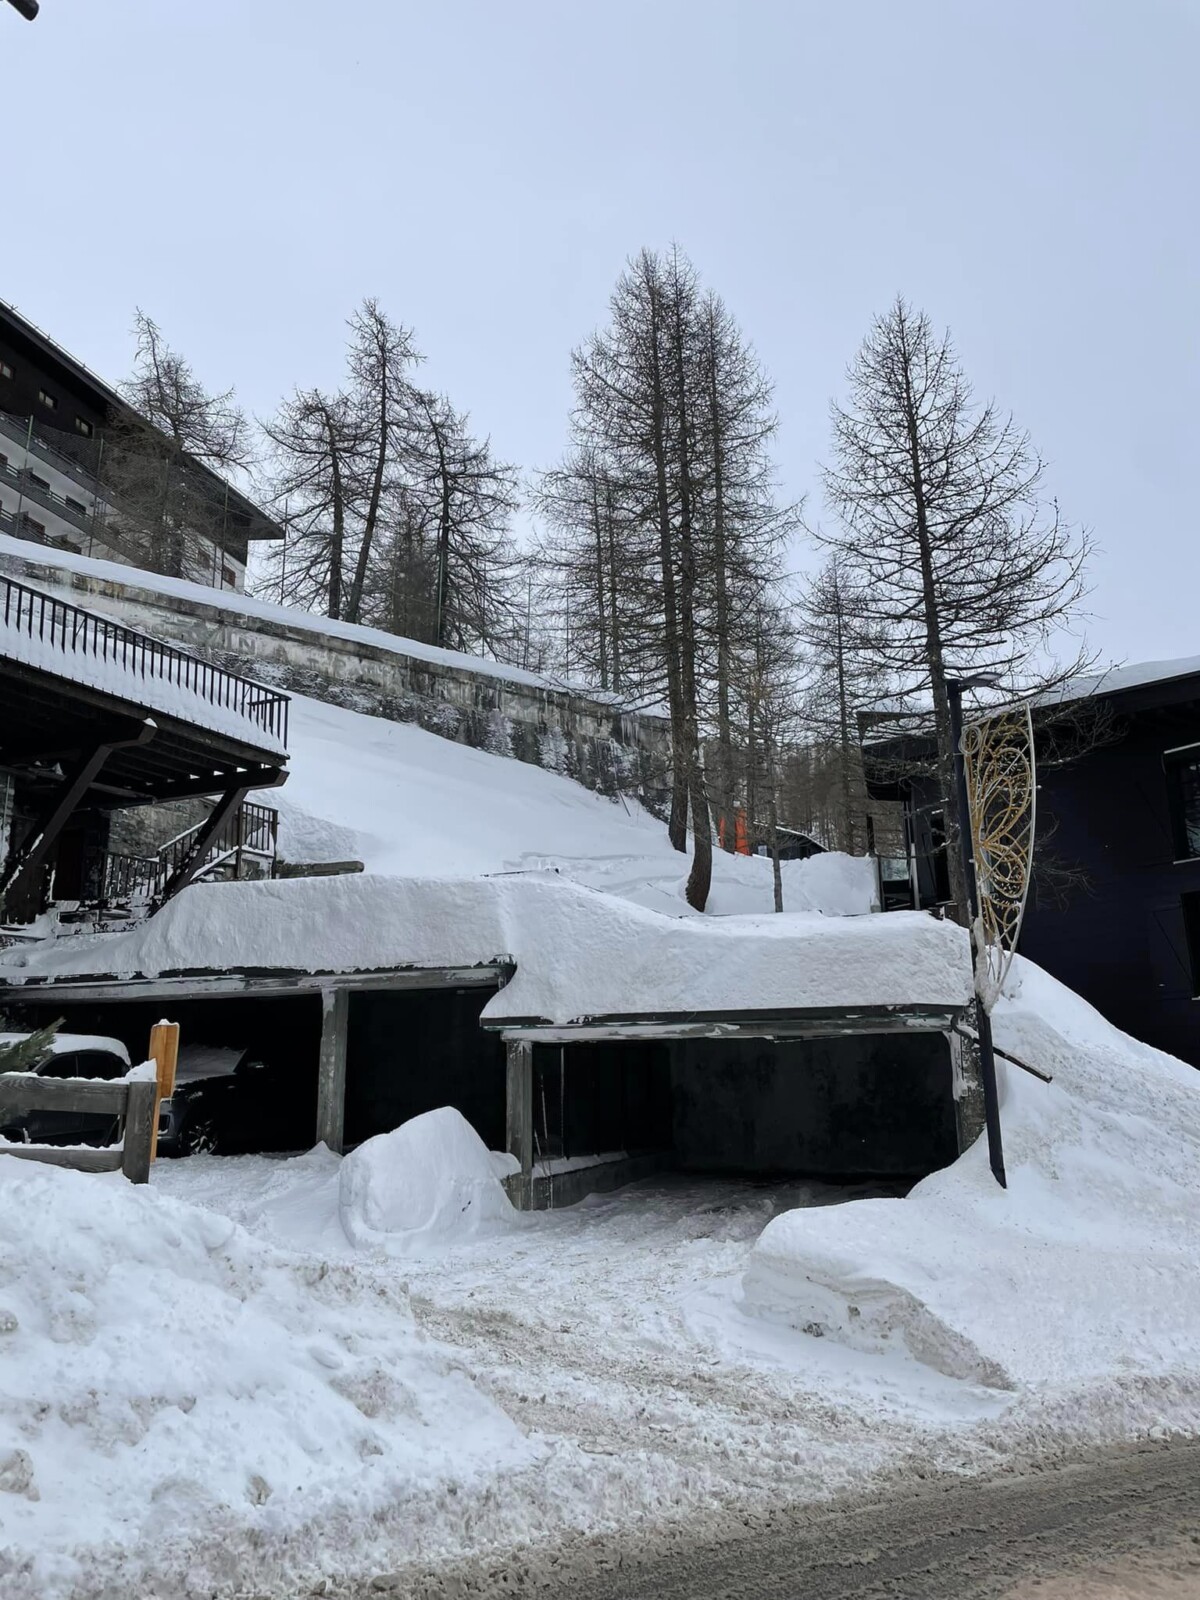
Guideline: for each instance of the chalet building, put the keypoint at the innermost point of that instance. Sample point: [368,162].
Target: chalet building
[58,483]
[1114,910]
[96,720]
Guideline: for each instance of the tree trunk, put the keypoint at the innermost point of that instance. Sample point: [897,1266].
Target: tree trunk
[354,602]
[720,559]
[677,824]
[937,666]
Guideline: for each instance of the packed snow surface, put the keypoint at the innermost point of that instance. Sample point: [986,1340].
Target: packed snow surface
[210,1384]
[578,953]
[430,1179]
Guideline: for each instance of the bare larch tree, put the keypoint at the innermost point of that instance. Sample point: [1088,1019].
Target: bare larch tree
[960,567]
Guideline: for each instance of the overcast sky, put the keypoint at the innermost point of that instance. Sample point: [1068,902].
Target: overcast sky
[1025,170]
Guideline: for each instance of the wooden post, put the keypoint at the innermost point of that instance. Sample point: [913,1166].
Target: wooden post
[331,1072]
[164,1052]
[141,1128]
[969,1118]
[519,1114]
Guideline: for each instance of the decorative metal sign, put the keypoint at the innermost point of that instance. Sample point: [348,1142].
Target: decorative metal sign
[1002,798]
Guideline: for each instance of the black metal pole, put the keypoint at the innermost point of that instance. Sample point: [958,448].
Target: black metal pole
[27,8]
[987,1058]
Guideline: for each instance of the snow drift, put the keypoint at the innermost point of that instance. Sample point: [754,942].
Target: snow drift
[430,1180]
[1085,1267]
[169,1385]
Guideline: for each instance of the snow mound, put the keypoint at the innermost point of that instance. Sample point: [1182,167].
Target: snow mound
[431,1179]
[170,1389]
[1086,1267]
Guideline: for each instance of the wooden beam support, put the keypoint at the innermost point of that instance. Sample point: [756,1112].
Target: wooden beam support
[967,1082]
[224,810]
[43,836]
[331,1070]
[519,1117]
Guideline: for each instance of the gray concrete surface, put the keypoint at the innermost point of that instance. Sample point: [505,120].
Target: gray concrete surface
[1122,1525]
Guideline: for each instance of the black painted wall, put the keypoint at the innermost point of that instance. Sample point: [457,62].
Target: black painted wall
[1121,943]
[830,1108]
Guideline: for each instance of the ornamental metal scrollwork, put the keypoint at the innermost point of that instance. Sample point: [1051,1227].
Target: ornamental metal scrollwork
[998,756]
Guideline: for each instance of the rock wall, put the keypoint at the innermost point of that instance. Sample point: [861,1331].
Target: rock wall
[591,738]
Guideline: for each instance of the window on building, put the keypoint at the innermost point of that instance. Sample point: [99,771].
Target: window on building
[229,577]
[48,400]
[83,426]
[5,370]
[77,506]
[1190,905]
[38,483]
[36,528]
[1183,797]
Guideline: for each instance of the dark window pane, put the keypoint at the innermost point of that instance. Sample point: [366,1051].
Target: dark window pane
[1184,779]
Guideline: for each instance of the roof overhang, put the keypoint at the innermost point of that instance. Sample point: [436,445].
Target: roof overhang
[269,981]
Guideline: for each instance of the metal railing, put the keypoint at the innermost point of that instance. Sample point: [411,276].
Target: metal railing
[71,630]
[253,830]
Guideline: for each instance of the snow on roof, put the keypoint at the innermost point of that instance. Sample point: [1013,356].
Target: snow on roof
[1137,675]
[577,952]
[247,606]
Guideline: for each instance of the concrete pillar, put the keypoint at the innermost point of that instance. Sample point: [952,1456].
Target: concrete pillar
[331,1071]
[519,1118]
[968,1089]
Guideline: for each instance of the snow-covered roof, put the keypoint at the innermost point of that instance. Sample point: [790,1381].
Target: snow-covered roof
[1137,675]
[577,953]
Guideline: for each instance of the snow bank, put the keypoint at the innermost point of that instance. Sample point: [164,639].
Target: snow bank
[430,1180]
[578,953]
[175,1393]
[1087,1267]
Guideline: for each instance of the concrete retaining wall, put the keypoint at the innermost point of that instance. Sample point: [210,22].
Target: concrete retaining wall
[593,739]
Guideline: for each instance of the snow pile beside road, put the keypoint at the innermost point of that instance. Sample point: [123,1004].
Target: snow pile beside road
[1087,1268]
[172,1391]
[430,1180]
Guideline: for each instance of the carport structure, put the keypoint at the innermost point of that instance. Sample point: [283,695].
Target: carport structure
[825,1046]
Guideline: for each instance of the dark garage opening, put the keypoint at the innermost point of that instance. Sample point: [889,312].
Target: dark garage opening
[410,1051]
[276,1110]
[838,1108]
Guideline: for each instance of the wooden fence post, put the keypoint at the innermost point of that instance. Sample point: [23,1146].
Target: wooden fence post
[141,1124]
[164,1052]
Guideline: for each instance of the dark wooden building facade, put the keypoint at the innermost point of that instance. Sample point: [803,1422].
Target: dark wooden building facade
[1123,820]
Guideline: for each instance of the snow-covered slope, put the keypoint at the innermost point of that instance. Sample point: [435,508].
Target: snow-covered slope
[408,803]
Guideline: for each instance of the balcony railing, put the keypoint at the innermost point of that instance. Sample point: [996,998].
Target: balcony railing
[59,631]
